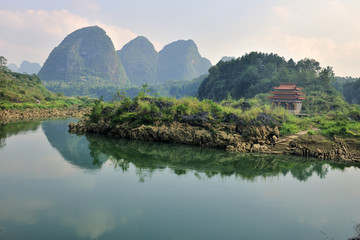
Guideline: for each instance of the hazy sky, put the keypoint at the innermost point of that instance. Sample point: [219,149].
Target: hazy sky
[326,30]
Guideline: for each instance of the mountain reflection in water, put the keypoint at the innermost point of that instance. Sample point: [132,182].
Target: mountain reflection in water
[10,129]
[57,185]
[90,151]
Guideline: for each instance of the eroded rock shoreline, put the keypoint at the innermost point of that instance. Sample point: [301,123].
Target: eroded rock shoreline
[260,135]
[11,115]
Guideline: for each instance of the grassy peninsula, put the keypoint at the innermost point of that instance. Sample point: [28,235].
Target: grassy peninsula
[236,125]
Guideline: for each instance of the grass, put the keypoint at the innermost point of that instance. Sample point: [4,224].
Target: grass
[144,110]
[23,91]
[63,102]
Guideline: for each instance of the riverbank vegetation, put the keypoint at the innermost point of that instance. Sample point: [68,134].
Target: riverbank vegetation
[145,109]
[23,91]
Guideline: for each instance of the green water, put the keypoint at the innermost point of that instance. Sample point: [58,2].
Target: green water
[56,185]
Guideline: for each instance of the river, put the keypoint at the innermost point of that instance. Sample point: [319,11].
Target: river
[56,185]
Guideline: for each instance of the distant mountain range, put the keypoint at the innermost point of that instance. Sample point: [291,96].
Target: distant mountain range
[179,60]
[86,63]
[226,58]
[25,67]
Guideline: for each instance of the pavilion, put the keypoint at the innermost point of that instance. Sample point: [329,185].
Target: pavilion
[287,95]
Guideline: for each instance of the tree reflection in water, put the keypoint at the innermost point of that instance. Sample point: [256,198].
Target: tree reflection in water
[90,151]
[149,156]
[10,129]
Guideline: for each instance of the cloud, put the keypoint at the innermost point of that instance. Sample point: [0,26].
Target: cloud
[283,12]
[91,223]
[22,210]
[325,50]
[31,35]
[118,35]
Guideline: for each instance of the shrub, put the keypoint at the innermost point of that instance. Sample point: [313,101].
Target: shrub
[96,110]
[311,132]
[289,128]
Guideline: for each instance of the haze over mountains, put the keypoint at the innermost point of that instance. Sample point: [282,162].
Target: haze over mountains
[86,63]
[25,67]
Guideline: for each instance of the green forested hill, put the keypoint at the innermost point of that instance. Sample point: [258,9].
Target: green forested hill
[181,60]
[179,89]
[256,73]
[21,91]
[85,63]
[139,59]
[20,88]
[349,87]
[178,60]
[176,88]
[351,92]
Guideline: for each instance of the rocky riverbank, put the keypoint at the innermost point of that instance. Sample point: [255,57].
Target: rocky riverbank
[10,115]
[259,135]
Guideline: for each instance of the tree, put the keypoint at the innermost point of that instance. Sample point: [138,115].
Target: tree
[3,62]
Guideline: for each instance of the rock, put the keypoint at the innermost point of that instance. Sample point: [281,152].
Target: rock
[245,106]
[133,107]
[196,119]
[39,113]
[156,115]
[292,144]
[255,148]
[230,148]
[264,149]
[267,120]
[159,104]
[231,118]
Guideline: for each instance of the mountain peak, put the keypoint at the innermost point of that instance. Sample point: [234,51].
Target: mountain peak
[85,59]
[181,60]
[139,58]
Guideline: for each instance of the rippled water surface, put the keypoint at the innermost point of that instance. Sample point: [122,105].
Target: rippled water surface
[56,185]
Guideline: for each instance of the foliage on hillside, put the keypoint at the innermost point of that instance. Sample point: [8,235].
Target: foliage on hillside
[16,87]
[179,89]
[147,110]
[176,88]
[349,87]
[84,63]
[256,73]
[19,91]
[139,59]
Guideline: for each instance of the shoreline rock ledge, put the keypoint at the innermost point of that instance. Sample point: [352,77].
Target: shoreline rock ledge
[233,134]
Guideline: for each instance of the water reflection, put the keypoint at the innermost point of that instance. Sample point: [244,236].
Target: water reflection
[45,197]
[10,129]
[73,148]
[205,162]
[91,151]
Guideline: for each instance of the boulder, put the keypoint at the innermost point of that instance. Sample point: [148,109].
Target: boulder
[199,119]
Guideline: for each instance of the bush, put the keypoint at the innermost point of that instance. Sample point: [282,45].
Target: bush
[288,128]
[96,110]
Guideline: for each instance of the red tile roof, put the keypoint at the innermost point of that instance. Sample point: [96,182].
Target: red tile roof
[288,93]
[287,86]
[290,98]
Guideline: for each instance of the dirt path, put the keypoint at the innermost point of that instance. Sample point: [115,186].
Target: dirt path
[287,139]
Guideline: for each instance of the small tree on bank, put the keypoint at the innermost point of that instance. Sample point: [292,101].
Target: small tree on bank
[3,62]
